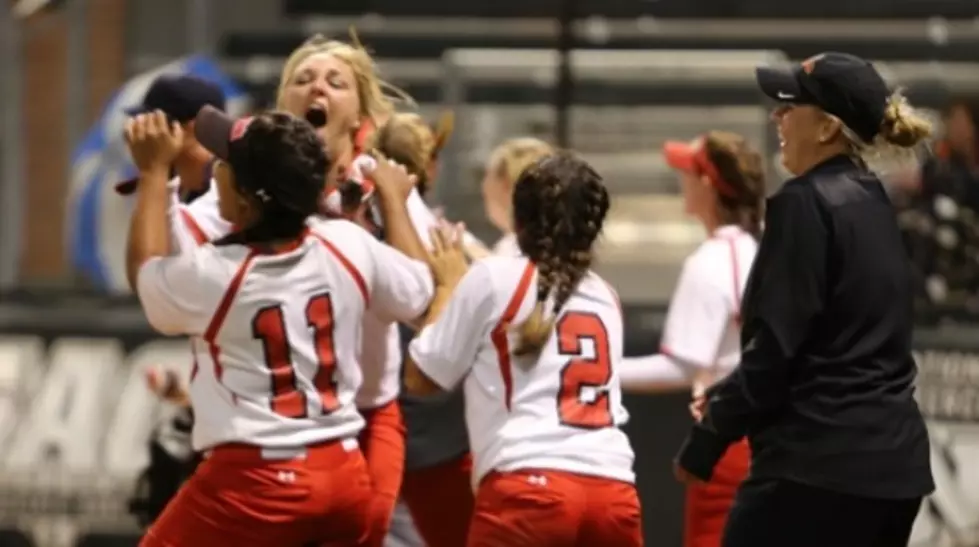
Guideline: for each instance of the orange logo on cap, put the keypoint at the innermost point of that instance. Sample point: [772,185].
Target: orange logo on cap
[809,64]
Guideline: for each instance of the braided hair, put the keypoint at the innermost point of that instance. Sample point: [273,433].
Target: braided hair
[280,164]
[743,169]
[559,206]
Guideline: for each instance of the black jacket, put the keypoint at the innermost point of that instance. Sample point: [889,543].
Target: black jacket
[824,390]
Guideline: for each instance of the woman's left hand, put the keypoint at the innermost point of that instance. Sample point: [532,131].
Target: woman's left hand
[153,142]
[447,257]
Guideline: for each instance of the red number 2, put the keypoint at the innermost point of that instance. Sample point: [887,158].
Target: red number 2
[580,372]
[269,327]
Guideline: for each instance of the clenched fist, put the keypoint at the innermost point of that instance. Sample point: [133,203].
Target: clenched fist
[153,142]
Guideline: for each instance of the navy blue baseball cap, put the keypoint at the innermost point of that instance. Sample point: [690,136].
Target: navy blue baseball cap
[841,84]
[180,97]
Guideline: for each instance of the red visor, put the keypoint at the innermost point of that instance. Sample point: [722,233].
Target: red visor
[692,157]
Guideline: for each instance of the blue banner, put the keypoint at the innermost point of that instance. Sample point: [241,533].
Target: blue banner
[98,218]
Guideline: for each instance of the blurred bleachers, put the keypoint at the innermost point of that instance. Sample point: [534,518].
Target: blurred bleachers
[646,71]
[619,121]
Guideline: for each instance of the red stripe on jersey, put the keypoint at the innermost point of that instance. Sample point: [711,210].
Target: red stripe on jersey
[354,273]
[217,320]
[499,334]
[195,229]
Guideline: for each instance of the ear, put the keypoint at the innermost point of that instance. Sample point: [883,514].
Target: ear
[189,137]
[829,129]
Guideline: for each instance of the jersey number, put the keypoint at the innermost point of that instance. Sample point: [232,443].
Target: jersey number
[581,374]
[269,327]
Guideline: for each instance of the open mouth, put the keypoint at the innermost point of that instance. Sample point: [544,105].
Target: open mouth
[316,116]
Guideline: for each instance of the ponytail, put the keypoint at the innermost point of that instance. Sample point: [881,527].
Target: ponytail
[742,168]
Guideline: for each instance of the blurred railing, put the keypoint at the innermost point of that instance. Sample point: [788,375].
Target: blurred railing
[624,105]
[638,81]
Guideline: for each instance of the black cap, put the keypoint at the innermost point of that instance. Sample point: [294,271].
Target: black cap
[216,131]
[232,140]
[841,84]
[180,97]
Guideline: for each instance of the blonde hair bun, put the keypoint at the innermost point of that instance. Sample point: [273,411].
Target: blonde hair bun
[903,126]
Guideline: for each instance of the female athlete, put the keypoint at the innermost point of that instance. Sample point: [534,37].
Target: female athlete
[437,487]
[275,310]
[334,86]
[503,169]
[723,183]
[543,404]
[338,82]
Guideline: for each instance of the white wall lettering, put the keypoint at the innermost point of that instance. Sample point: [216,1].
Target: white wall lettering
[138,410]
[66,419]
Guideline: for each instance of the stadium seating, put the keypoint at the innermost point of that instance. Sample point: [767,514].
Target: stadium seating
[635,8]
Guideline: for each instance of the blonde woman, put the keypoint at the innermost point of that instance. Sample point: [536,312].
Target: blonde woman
[334,85]
[503,169]
[824,390]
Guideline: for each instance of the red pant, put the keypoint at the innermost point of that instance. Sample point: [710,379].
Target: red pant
[708,504]
[440,500]
[543,508]
[383,444]
[238,497]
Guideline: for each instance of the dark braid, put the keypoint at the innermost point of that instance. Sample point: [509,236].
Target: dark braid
[743,169]
[559,206]
[279,165]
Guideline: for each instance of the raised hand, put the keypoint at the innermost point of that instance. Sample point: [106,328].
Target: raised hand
[447,258]
[153,142]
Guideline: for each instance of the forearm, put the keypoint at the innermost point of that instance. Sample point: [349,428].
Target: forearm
[756,388]
[399,232]
[653,373]
[415,381]
[149,233]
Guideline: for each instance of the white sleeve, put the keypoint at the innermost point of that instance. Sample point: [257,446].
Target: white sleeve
[401,287]
[171,293]
[446,350]
[636,372]
[468,238]
[183,233]
[421,216]
[698,316]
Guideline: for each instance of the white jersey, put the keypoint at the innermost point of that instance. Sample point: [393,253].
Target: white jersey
[560,410]
[703,323]
[507,246]
[701,336]
[380,355]
[198,222]
[276,337]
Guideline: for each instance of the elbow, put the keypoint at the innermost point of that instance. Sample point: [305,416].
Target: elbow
[161,325]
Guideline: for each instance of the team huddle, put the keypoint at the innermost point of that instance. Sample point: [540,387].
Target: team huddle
[293,270]
[291,274]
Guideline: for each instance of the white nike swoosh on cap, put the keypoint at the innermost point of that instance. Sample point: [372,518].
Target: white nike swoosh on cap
[783,95]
